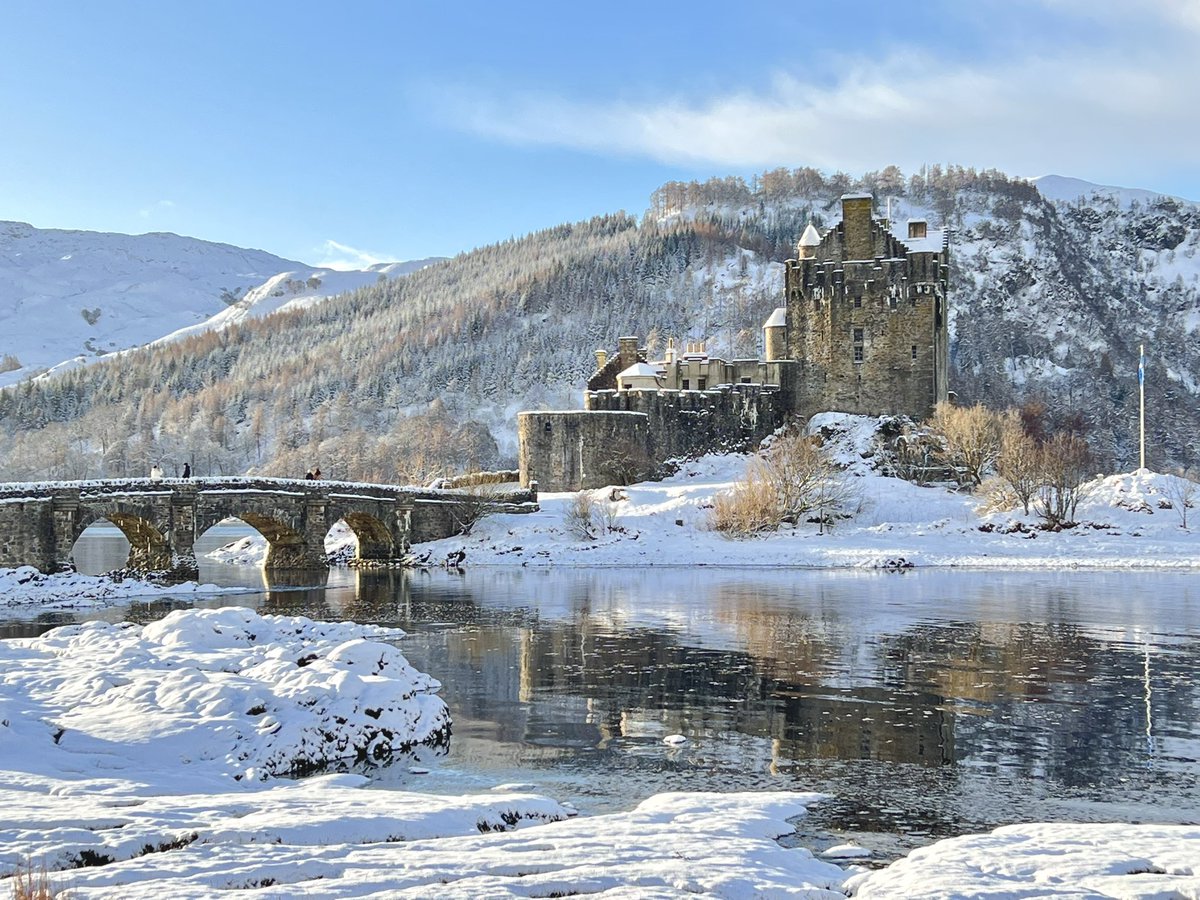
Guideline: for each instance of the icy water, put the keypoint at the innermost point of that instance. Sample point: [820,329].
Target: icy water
[927,703]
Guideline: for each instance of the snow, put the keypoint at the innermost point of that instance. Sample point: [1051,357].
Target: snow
[811,237]
[641,369]
[288,693]
[26,587]
[1130,862]
[1124,523]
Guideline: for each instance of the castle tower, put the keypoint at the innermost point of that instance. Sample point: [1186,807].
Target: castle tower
[866,316]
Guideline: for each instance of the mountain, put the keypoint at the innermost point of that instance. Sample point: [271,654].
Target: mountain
[1050,300]
[70,297]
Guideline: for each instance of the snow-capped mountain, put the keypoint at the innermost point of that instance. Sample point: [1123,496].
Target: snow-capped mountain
[69,297]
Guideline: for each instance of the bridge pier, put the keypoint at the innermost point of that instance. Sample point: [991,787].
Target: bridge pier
[302,547]
[381,541]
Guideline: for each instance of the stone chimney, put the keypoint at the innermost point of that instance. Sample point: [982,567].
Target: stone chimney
[601,359]
[856,226]
[627,350]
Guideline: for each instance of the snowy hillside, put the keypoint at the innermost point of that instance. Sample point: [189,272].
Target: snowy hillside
[1051,297]
[68,297]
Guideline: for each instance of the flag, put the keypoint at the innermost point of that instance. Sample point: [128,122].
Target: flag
[1142,368]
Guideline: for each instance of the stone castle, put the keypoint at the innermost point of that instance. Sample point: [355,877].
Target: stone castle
[863,330]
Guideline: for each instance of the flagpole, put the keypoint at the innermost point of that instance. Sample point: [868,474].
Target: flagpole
[1142,394]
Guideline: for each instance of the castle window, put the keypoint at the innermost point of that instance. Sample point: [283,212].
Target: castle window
[703,384]
[546,428]
[858,301]
[858,335]
[858,353]
[914,351]
[687,385]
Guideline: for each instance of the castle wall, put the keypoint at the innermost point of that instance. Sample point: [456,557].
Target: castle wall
[685,423]
[578,450]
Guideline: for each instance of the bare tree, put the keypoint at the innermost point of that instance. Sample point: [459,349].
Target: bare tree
[1018,463]
[1182,491]
[1066,465]
[971,437]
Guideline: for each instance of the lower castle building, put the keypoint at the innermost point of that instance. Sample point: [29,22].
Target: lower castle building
[863,329]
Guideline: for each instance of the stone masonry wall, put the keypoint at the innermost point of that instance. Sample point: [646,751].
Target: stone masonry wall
[578,450]
[686,423]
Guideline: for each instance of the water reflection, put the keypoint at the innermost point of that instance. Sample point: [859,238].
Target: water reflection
[927,703]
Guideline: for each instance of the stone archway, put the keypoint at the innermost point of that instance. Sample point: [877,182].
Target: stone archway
[149,548]
[375,541]
[287,548]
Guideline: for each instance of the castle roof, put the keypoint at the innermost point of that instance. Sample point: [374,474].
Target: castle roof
[642,369]
[811,237]
[934,240]
[778,318]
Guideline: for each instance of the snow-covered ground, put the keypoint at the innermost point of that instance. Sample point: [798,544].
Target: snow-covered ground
[1125,520]
[251,550]
[27,588]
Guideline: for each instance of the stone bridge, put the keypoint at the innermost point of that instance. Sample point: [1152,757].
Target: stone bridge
[40,522]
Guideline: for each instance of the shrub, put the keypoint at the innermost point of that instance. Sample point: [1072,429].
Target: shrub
[795,480]
[751,506]
[29,883]
[587,518]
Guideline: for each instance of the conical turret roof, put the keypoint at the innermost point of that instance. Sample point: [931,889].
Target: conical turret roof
[811,237]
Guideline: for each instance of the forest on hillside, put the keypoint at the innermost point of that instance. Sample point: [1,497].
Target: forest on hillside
[422,376]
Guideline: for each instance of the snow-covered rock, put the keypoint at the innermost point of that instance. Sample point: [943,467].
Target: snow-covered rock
[229,691]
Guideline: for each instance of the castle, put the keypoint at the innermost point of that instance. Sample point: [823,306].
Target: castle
[863,330]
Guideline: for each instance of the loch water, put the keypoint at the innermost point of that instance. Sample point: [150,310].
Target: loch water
[927,703]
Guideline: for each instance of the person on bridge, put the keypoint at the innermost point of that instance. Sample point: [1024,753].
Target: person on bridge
[156,472]
[187,470]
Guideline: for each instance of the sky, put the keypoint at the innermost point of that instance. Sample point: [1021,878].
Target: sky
[353,133]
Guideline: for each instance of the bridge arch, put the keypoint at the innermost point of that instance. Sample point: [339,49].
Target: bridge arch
[141,523]
[288,534]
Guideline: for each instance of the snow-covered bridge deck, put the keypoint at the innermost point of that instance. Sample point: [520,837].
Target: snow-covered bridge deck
[41,521]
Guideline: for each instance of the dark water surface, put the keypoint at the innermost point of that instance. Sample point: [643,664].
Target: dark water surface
[928,703]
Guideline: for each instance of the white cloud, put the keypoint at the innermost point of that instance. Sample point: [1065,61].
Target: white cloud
[334,255]
[1088,111]
[159,206]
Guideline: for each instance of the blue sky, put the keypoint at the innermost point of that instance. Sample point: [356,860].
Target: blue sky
[358,132]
